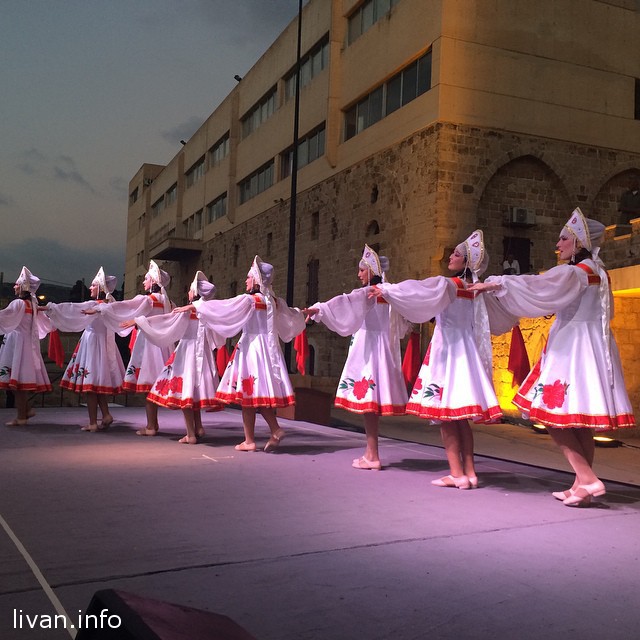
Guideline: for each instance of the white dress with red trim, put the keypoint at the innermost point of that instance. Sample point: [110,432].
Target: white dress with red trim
[21,365]
[454,383]
[257,375]
[578,381]
[96,365]
[371,380]
[147,360]
[189,379]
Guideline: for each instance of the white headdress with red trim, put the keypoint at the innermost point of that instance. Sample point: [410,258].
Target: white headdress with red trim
[106,284]
[477,258]
[371,261]
[202,287]
[27,281]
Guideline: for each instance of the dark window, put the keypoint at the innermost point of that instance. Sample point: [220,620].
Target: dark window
[313,270]
[401,89]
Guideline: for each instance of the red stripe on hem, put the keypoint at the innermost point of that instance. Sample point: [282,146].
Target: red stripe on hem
[129,387]
[370,407]
[574,420]
[14,385]
[186,403]
[91,388]
[264,401]
[447,414]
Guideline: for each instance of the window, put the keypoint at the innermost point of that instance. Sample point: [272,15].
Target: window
[315,225]
[139,258]
[219,151]
[133,196]
[269,243]
[259,113]
[141,222]
[236,254]
[313,271]
[373,229]
[310,66]
[257,182]
[233,289]
[217,208]
[156,207]
[405,86]
[193,224]
[366,15]
[171,196]
[195,173]
[310,148]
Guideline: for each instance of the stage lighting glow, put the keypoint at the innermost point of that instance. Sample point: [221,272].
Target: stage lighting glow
[605,441]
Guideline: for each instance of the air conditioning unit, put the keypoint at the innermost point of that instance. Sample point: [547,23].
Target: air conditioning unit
[525,217]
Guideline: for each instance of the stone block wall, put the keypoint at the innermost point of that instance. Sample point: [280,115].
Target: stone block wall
[415,202]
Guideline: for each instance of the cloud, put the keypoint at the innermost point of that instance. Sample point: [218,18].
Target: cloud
[243,15]
[68,172]
[5,201]
[32,162]
[68,263]
[182,131]
[120,186]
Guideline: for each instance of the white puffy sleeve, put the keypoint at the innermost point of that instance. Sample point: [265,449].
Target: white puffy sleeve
[164,330]
[289,322]
[44,324]
[531,296]
[225,317]
[11,316]
[500,319]
[419,300]
[68,316]
[115,313]
[345,313]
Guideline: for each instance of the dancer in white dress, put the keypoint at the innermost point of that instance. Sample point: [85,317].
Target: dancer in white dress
[454,383]
[256,377]
[22,369]
[95,368]
[189,378]
[147,360]
[371,382]
[577,386]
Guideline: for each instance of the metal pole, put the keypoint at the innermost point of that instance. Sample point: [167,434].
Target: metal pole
[294,181]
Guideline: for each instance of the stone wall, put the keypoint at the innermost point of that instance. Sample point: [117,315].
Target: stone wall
[414,202]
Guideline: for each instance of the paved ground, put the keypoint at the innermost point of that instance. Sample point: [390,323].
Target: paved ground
[297,545]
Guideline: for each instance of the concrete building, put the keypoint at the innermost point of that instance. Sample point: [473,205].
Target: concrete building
[420,120]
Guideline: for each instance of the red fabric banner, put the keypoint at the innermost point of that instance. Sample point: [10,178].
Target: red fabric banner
[518,357]
[55,352]
[222,359]
[411,361]
[301,345]
[132,339]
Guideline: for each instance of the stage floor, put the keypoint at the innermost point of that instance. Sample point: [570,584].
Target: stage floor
[298,545]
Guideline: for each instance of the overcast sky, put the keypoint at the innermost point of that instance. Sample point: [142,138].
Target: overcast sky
[92,89]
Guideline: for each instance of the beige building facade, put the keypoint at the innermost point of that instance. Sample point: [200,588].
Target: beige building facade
[420,120]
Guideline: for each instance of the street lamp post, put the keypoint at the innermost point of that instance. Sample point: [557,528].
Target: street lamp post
[291,257]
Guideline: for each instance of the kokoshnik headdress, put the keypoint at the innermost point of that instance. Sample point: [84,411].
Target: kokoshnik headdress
[589,234]
[477,258]
[378,265]
[106,284]
[202,287]
[162,279]
[30,283]
[262,274]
